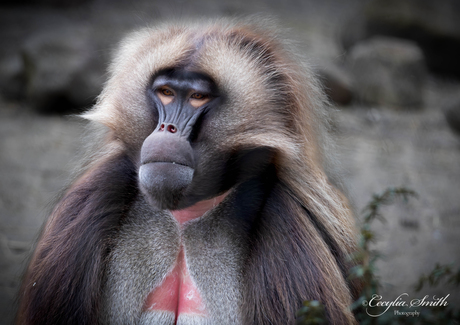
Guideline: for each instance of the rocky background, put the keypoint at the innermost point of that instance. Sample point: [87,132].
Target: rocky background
[391,66]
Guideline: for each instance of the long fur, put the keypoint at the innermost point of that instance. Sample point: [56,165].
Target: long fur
[62,281]
[302,236]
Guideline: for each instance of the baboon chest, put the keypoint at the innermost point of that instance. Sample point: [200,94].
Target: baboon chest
[173,273]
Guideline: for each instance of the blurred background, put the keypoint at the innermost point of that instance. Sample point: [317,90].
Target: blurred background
[392,67]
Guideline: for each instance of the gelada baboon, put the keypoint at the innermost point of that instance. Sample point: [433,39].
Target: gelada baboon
[206,202]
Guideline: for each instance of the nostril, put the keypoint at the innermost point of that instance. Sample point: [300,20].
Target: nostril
[162,127]
[171,128]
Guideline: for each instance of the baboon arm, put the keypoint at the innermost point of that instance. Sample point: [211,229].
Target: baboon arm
[293,260]
[62,281]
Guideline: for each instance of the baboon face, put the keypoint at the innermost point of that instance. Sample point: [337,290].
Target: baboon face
[182,160]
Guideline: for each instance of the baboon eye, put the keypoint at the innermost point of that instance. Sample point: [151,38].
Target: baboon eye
[166,92]
[198,96]
[166,95]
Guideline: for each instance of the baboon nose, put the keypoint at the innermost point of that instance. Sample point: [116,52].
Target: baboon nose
[168,127]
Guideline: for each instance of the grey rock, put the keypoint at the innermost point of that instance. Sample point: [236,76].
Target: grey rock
[11,77]
[388,72]
[433,25]
[62,70]
[452,114]
[50,3]
[337,83]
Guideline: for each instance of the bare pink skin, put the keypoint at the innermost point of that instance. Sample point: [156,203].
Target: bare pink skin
[198,209]
[178,292]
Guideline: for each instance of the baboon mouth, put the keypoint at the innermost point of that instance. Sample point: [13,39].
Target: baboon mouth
[167,162]
[165,182]
[165,173]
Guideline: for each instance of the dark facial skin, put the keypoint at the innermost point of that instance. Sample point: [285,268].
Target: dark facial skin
[167,160]
[182,161]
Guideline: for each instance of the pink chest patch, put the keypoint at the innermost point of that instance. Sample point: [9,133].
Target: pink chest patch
[177,293]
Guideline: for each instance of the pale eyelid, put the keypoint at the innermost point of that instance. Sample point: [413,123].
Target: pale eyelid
[199,102]
[165,99]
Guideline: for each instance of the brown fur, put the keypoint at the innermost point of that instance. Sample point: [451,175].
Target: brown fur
[299,242]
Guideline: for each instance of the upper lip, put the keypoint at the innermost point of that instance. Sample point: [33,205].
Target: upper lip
[165,161]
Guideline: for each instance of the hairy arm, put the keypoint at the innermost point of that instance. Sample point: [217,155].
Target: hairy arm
[68,263]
